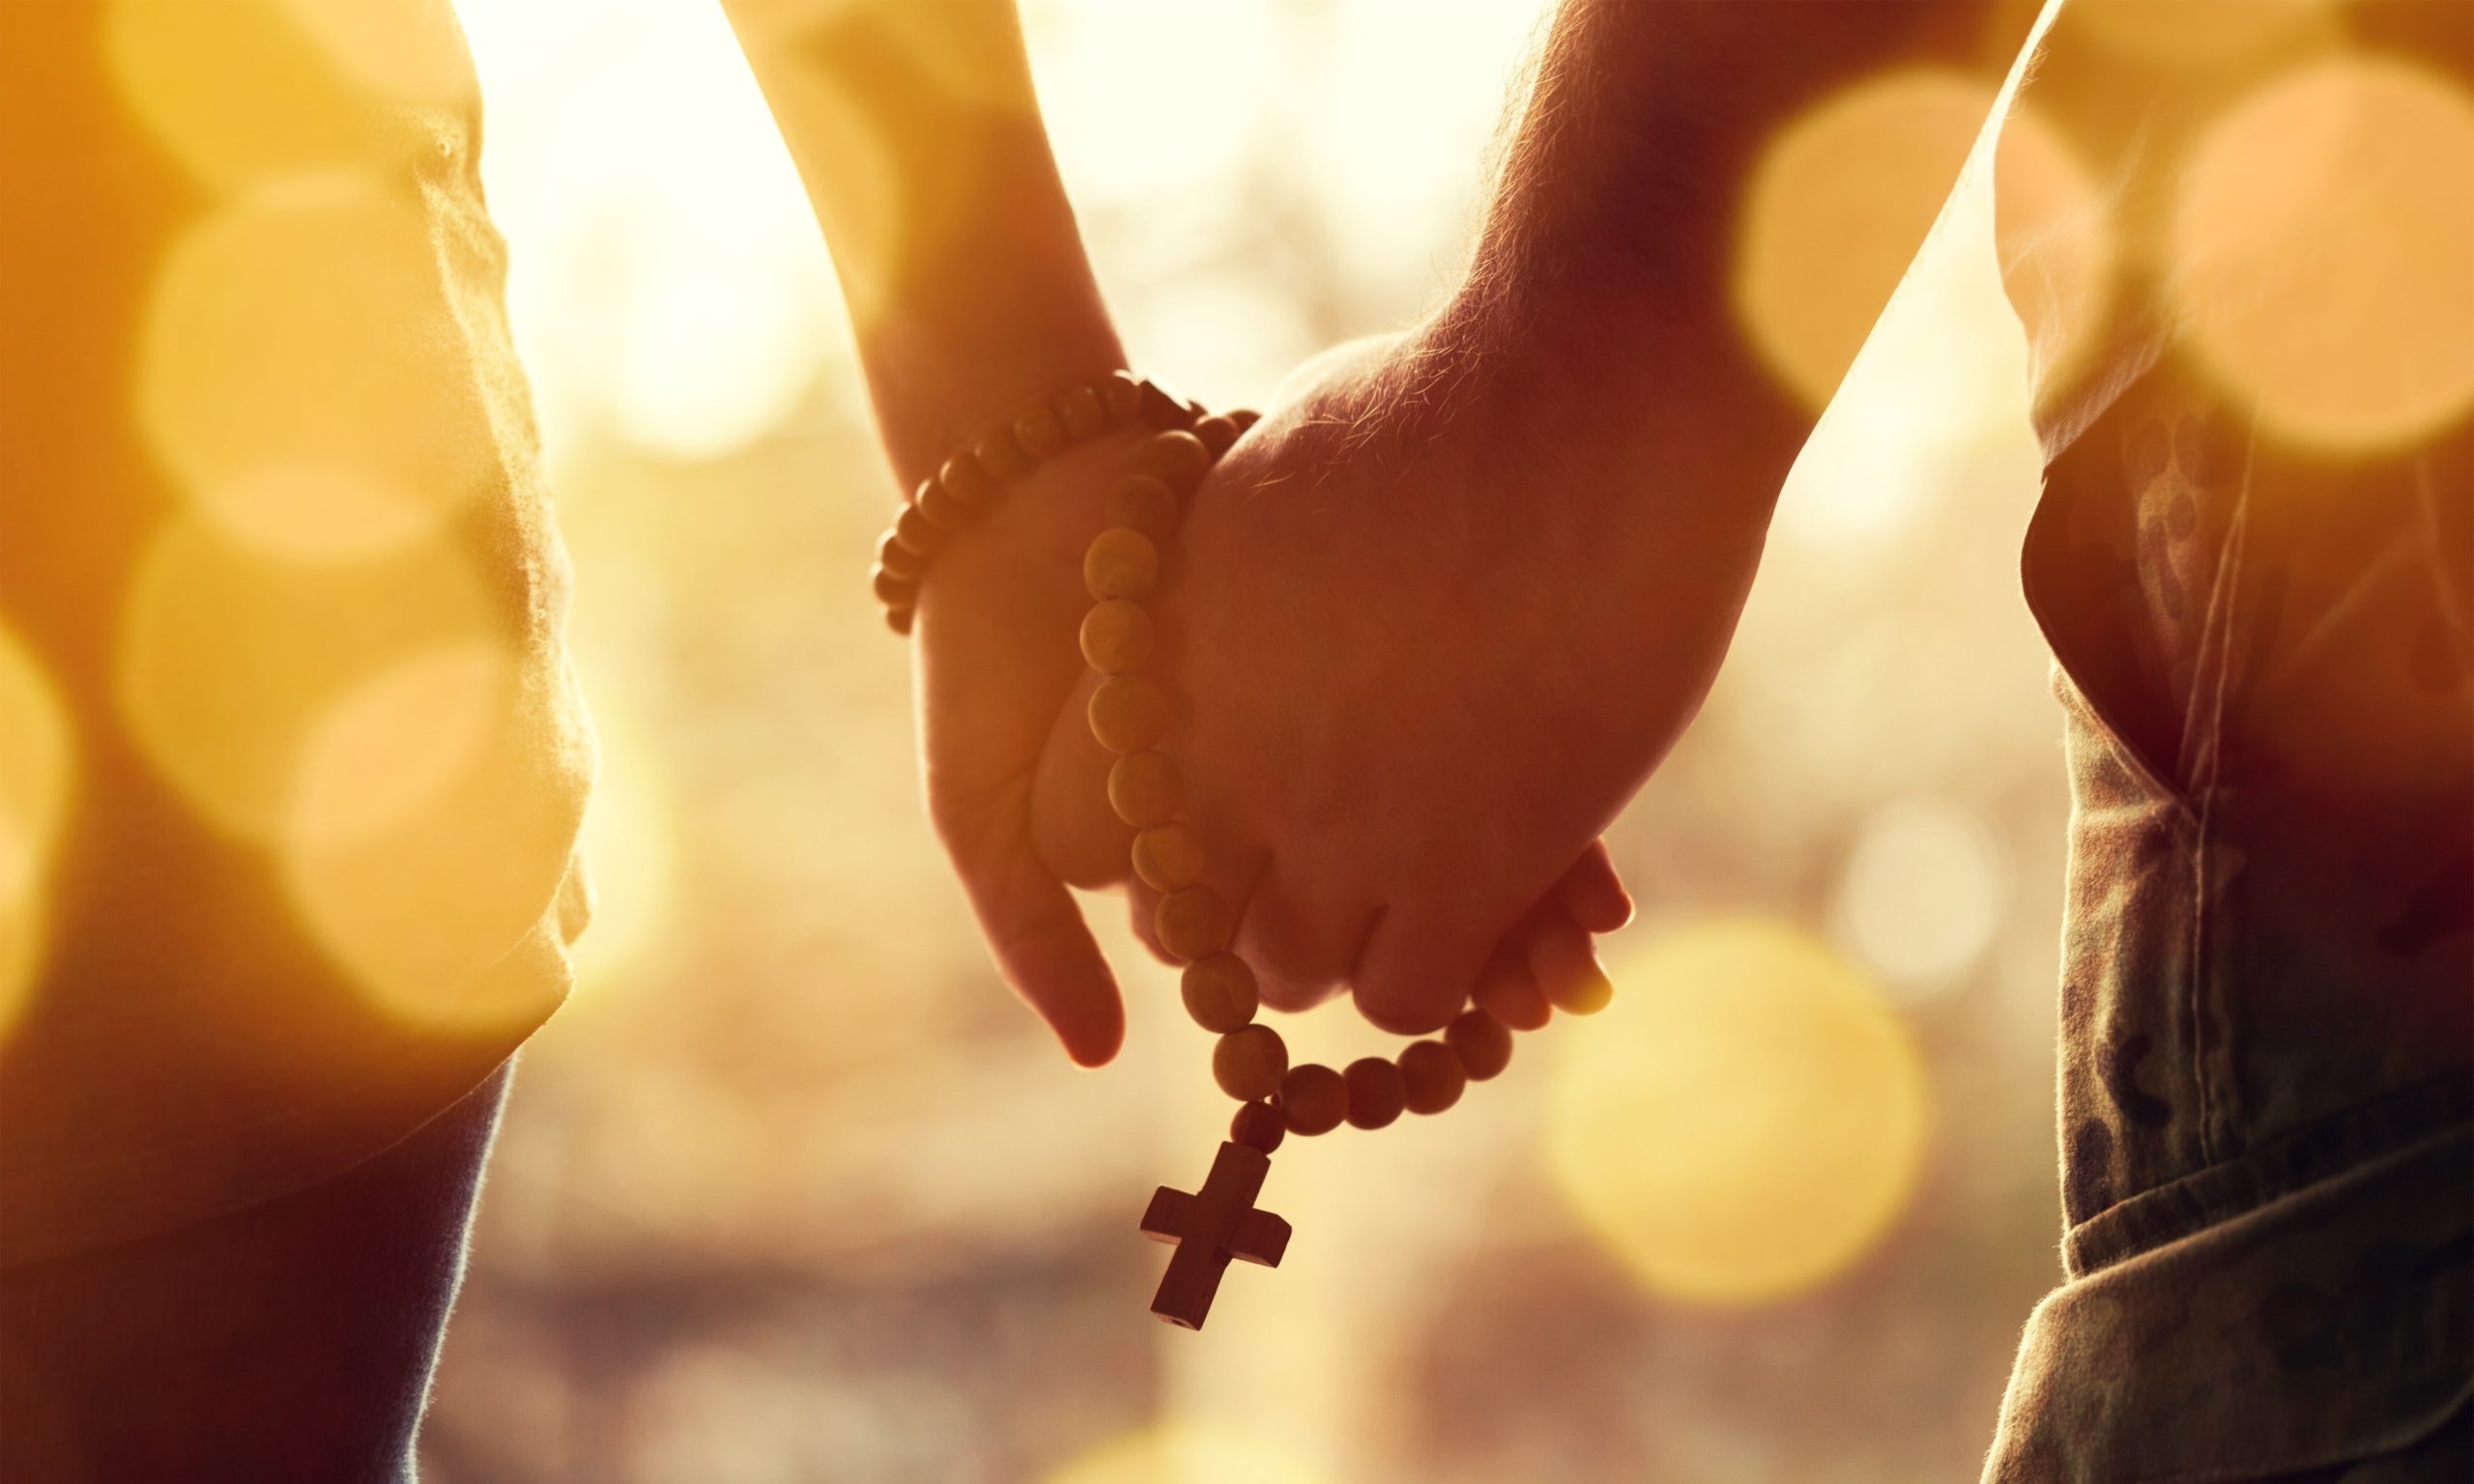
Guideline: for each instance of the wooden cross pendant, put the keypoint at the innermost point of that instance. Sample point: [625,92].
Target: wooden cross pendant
[1210,1227]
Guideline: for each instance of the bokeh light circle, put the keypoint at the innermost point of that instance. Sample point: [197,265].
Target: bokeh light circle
[2320,250]
[2204,33]
[1835,211]
[305,375]
[229,658]
[2059,245]
[38,758]
[1922,896]
[1745,1120]
[431,823]
[242,90]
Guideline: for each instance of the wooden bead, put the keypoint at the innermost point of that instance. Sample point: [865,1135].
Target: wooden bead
[1376,1095]
[970,485]
[1038,432]
[1260,1127]
[1431,1078]
[899,619]
[1141,502]
[1483,1042]
[1120,563]
[897,558]
[1585,996]
[1001,457]
[1244,418]
[1218,434]
[912,531]
[1128,714]
[895,590]
[1249,1063]
[1313,1098]
[1161,409]
[1144,788]
[1117,638]
[1219,992]
[1193,923]
[1081,415]
[1176,459]
[937,506]
[1122,396]
[1168,857]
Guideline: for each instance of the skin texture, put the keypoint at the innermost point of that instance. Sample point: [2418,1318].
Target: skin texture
[1434,620]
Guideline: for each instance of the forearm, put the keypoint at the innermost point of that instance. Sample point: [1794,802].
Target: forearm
[1600,308]
[916,133]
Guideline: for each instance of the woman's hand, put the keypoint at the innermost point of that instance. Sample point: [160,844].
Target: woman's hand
[1418,662]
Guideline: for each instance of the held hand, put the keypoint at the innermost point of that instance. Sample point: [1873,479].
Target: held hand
[997,663]
[1016,787]
[1417,666]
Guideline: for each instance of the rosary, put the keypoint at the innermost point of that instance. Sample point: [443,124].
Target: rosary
[1129,715]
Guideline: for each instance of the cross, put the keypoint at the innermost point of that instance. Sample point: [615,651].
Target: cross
[1210,1227]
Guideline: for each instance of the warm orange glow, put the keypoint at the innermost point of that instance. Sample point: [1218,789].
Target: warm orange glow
[229,658]
[2355,178]
[302,374]
[37,763]
[1745,1120]
[1922,897]
[2205,33]
[2059,245]
[431,832]
[392,745]
[1836,210]
[1189,1453]
[397,50]
[243,89]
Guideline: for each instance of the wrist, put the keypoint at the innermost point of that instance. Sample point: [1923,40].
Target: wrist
[944,370]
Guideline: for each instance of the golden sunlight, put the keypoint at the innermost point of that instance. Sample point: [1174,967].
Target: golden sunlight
[419,885]
[246,89]
[2205,33]
[629,843]
[1745,1120]
[2358,176]
[666,281]
[1187,1453]
[37,763]
[393,744]
[230,657]
[1834,214]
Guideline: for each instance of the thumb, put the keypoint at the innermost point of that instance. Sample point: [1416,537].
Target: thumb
[1042,946]
[1418,966]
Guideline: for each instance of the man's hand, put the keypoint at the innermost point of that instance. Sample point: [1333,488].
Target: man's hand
[1017,791]
[1420,663]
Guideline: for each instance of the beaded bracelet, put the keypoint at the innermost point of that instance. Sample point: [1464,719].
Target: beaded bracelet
[1129,716]
[968,482]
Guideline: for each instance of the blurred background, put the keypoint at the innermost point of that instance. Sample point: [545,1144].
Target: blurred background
[792,1189]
